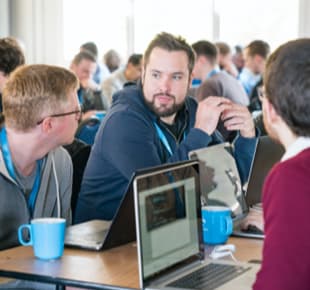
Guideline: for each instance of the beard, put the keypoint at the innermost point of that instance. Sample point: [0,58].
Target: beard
[164,110]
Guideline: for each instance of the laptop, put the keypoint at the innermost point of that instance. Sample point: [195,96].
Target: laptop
[102,235]
[223,186]
[267,153]
[169,240]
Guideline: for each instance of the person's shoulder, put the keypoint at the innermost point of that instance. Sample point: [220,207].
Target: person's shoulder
[130,94]
[291,171]
[60,154]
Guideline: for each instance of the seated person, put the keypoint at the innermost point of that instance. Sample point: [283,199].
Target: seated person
[92,48]
[225,59]
[255,56]
[89,94]
[116,81]
[155,122]
[286,193]
[35,172]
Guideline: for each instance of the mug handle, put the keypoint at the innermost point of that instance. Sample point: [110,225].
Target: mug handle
[229,225]
[20,235]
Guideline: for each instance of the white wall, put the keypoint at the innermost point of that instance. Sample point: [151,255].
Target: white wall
[4,18]
[304,19]
[38,23]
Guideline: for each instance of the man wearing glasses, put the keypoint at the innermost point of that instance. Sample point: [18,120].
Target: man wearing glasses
[41,112]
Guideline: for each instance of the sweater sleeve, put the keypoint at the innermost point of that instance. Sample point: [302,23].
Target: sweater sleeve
[286,251]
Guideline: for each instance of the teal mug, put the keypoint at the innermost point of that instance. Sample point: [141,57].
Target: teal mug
[45,235]
[216,224]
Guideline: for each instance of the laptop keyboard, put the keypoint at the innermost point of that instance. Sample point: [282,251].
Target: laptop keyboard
[209,277]
[251,229]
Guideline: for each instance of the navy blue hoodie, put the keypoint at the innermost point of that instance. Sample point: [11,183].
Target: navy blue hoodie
[127,140]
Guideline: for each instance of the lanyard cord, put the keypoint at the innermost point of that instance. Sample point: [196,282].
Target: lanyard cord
[10,167]
[163,138]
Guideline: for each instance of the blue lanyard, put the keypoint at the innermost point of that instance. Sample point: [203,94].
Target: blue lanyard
[163,138]
[9,164]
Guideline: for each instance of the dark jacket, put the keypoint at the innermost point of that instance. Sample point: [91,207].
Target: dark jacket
[127,140]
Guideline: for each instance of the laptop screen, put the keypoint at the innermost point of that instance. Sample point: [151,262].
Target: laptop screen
[168,212]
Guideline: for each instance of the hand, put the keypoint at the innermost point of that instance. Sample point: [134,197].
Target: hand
[238,117]
[209,111]
[255,218]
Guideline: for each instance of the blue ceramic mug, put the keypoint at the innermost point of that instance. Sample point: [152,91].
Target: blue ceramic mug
[46,236]
[216,224]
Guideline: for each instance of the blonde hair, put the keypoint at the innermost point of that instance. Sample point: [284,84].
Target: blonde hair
[34,91]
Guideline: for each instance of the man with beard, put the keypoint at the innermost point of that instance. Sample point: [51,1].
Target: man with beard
[286,193]
[154,122]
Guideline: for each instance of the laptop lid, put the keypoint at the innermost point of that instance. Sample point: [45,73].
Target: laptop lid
[103,235]
[168,220]
[219,177]
[267,153]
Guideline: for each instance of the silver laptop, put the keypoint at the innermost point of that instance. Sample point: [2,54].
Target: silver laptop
[102,235]
[223,186]
[169,240]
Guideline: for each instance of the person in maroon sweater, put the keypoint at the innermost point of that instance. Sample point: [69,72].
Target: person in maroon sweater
[286,193]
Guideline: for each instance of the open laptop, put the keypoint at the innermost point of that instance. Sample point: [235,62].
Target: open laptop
[102,235]
[223,186]
[267,153]
[169,240]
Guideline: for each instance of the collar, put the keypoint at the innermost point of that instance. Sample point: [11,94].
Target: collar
[213,72]
[300,144]
[248,75]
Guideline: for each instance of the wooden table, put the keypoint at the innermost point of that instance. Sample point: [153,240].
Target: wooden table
[113,269]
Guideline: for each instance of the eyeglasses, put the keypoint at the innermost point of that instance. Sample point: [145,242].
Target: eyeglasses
[76,112]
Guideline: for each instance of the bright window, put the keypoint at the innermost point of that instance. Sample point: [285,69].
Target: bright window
[128,25]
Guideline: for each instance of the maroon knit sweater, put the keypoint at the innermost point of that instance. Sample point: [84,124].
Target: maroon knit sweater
[286,203]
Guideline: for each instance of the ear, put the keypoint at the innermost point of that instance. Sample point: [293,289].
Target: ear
[47,125]
[271,114]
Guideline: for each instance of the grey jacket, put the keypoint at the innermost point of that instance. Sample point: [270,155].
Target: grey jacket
[13,205]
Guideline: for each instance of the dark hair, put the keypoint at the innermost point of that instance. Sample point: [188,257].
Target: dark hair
[238,48]
[90,47]
[11,55]
[135,59]
[258,47]
[223,47]
[170,42]
[207,49]
[287,84]
[83,55]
